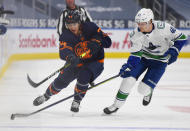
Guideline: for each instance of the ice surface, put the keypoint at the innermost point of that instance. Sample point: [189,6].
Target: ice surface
[169,109]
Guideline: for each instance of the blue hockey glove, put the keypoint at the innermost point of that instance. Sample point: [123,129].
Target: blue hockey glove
[3,29]
[173,55]
[125,70]
[73,60]
[132,62]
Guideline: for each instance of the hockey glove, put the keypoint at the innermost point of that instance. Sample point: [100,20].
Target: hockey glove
[173,51]
[3,29]
[131,64]
[73,60]
[173,55]
[125,70]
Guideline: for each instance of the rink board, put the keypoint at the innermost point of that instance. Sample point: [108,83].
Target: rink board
[27,44]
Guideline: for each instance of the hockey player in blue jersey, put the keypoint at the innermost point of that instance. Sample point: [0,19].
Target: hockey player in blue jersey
[82,46]
[155,45]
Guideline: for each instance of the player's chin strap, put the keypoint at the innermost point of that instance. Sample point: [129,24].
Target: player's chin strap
[34,84]
[13,116]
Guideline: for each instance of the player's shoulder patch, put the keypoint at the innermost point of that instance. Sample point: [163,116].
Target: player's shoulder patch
[160,24]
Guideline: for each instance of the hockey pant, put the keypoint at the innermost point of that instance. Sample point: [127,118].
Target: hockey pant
[84,75]
[154,71]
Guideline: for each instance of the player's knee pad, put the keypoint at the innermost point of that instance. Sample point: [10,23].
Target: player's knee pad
[84,76]
[127,84]
[144,89]
[60,83]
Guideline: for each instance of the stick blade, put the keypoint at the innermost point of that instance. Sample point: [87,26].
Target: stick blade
[13,116]
[32,83]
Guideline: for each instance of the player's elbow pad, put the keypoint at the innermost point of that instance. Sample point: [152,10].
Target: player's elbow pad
[106,42]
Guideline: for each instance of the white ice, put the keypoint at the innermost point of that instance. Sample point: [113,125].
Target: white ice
[169,109]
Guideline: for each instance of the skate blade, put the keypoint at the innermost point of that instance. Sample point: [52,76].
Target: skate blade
[74,114]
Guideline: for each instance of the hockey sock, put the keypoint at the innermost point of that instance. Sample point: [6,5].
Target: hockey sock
[52,90]
[83,80]
[123,93]
[80,88]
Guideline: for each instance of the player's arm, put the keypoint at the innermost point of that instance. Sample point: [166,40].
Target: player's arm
[66,53]
[65,45]
[136,41]
[98,34]
[65,50]
[105,39]
[179,39]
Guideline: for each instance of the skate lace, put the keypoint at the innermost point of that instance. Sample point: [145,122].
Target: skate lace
[147,98]
[75,104]
[112,108]
[41,99]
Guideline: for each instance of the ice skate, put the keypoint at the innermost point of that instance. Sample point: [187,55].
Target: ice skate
[40,100]
[75,106]
[110,110]
[147,99]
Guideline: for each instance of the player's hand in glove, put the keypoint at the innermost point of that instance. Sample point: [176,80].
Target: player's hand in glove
[125,70]
[172,53]
[3,29]
[73,60]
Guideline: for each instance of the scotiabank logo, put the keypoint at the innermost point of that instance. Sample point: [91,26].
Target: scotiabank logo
[36,42]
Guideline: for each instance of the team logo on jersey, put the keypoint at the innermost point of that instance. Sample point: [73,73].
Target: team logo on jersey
[152,47]
[82,50]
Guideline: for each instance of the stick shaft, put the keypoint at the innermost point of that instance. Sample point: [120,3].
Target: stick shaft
[32,83]
[64,99]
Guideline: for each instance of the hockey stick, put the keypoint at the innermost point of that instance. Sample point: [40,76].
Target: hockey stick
[7,12]
[13,116]
[32,83]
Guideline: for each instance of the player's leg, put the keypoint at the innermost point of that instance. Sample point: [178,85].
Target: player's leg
[146,91]
[81,87]
[125,89]
[150,80]
[86,75]
[62,81]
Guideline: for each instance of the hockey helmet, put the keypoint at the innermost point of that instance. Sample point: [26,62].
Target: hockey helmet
[73,16]
[144,15]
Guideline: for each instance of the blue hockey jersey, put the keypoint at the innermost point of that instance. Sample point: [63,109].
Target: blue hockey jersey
[89,31]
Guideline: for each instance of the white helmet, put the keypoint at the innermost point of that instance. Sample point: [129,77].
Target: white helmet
[144,15]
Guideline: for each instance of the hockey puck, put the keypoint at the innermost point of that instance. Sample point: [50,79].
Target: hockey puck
[12,117]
